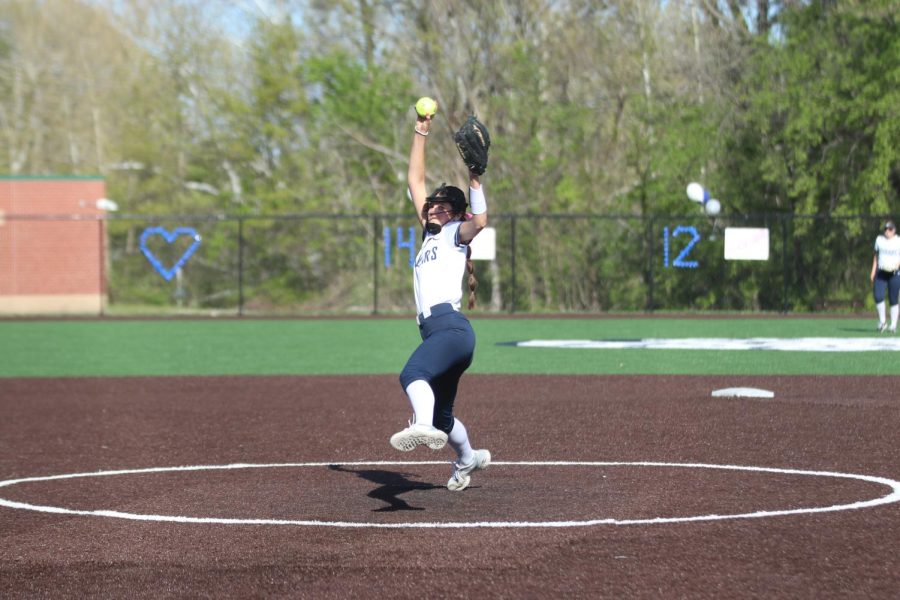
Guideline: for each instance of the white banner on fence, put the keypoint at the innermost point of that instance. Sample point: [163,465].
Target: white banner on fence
[484,246]
[746,243]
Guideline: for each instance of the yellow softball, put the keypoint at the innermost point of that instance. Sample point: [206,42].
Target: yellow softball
[426,107]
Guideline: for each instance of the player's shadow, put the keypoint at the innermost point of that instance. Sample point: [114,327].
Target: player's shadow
[390,486]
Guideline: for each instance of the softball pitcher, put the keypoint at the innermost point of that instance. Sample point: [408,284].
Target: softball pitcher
[886,275]
[432,373]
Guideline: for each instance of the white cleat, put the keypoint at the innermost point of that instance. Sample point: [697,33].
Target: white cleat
[461,473]
[882,327]
[419,435]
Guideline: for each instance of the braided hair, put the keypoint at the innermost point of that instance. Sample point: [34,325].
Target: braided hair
[473,283]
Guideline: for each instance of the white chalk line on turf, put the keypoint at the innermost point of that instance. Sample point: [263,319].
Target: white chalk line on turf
[808,344]
[892,497]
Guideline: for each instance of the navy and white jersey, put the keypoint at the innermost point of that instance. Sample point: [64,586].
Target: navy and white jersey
[438,272]
[888,251]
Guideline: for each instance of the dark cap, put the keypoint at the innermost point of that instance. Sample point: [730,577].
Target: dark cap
[450,194]
[889,225]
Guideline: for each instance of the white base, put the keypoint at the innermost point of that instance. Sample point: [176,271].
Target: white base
[743,392]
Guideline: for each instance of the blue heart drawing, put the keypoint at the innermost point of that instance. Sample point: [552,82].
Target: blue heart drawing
[170,238]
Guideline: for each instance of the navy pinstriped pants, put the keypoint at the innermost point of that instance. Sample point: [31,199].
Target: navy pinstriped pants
[446,351]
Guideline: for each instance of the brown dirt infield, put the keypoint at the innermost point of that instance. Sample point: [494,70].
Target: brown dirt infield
[837,424]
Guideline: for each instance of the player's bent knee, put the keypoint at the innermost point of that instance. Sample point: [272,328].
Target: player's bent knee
[410,374]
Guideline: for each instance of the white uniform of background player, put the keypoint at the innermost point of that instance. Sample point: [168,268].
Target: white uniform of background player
[886,275]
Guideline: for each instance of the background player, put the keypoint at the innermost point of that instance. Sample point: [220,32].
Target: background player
[886,275]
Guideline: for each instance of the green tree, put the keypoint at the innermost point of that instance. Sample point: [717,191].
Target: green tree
[820,121]
[817,134]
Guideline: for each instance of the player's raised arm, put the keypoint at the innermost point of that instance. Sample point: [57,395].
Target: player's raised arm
[415,176]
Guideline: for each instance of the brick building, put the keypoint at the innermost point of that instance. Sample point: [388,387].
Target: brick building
[52,238]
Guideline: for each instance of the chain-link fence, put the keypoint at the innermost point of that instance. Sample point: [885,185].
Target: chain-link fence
[342,265]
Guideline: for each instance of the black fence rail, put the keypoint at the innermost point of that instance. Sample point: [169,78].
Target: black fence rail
[549,263]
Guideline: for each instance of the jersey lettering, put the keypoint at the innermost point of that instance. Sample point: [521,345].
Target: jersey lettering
[425,256]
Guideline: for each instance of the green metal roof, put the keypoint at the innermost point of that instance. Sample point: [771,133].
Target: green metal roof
[51,177]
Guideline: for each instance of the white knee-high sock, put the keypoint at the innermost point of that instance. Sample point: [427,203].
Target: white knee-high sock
[895,312]
[421,396]
[880,308]
[459,441]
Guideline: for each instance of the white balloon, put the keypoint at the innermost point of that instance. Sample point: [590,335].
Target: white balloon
[713,207]
[107,204]
[695,192]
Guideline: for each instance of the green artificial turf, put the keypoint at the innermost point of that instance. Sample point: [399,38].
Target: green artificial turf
[80,348]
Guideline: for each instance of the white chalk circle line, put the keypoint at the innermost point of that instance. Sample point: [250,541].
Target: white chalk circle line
[893,496]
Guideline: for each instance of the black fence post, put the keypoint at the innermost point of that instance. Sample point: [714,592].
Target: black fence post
[648,262]
[375,221]
[512,304]
[101,232]
[240,266]
[785,263]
